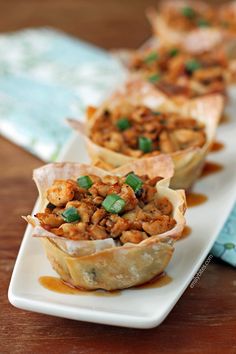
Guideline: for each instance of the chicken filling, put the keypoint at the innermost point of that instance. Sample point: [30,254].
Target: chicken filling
[187,17]
[140,131]
[176,72]
[127,209]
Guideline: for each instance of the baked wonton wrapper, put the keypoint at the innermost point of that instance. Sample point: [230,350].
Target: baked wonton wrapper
[103,263]
[188,163]
[196,40]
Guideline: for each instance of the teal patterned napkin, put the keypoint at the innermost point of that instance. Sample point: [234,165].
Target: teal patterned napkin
[46,76]
[225,246]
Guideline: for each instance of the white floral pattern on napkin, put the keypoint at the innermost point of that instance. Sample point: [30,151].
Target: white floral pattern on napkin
[46,76]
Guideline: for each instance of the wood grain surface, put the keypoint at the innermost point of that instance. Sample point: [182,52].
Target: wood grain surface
[204,319]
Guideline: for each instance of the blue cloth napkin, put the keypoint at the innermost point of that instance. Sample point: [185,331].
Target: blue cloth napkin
[46,76]
[225,246]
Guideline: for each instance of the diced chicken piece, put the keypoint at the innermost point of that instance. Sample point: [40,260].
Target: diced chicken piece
[166,145]
[133,236]
[151,211]
[187,138]
[97,232]
[130,136]
[149,193]
[74,231]
[208,74]
[99,189]
[164,205]
[98,200]
[52,220]
[129,197]
[114,142]
[98,216]
[110,180]
[119,226]
[61,192]
[162,224]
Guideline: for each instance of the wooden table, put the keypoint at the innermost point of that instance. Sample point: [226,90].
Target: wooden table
[203,321]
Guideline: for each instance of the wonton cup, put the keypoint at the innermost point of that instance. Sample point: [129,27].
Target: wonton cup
[196,40]
[103,264]
[188,163]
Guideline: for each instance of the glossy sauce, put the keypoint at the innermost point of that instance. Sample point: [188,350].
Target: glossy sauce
[157,282]
[59,286]
[224,119]
[210,168]
[194,199]
[217,146]
[186,232]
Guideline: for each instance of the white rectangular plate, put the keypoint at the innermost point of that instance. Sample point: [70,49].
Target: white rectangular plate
[139,308]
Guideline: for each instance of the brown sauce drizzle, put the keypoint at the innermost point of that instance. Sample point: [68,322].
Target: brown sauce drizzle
[194,199]
[59,286]
[210,168]
[224,119]
[157,282]
[186,232]
[217,146]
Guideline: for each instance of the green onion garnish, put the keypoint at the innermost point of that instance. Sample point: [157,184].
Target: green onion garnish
[70,215]
[151,58]
[173,52]
[84,182]
[156,113]
[192,65]
[188,12]
[134,182]
[113,204]
[123,124]
[203,23]
[145,144]
[154,78]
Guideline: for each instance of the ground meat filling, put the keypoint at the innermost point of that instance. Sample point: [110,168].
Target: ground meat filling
[145,132]
[127,209]
[178,73]
[187,18]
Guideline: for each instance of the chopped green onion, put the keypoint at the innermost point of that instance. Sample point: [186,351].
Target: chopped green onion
[123,124]
[173,52]
[84,182]
[70,214]
[154,78]
[113,204]
[203,23]
[145,144]
[134,182]
[192,65]
[188,12]
[152,57]
[156,113]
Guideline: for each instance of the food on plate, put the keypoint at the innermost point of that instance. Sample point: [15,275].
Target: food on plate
[139,121]
[180,74]
[106,230]
[195,25]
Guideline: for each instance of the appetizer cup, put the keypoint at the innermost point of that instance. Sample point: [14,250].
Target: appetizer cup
[188,162]
[89,260]
[194,25]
